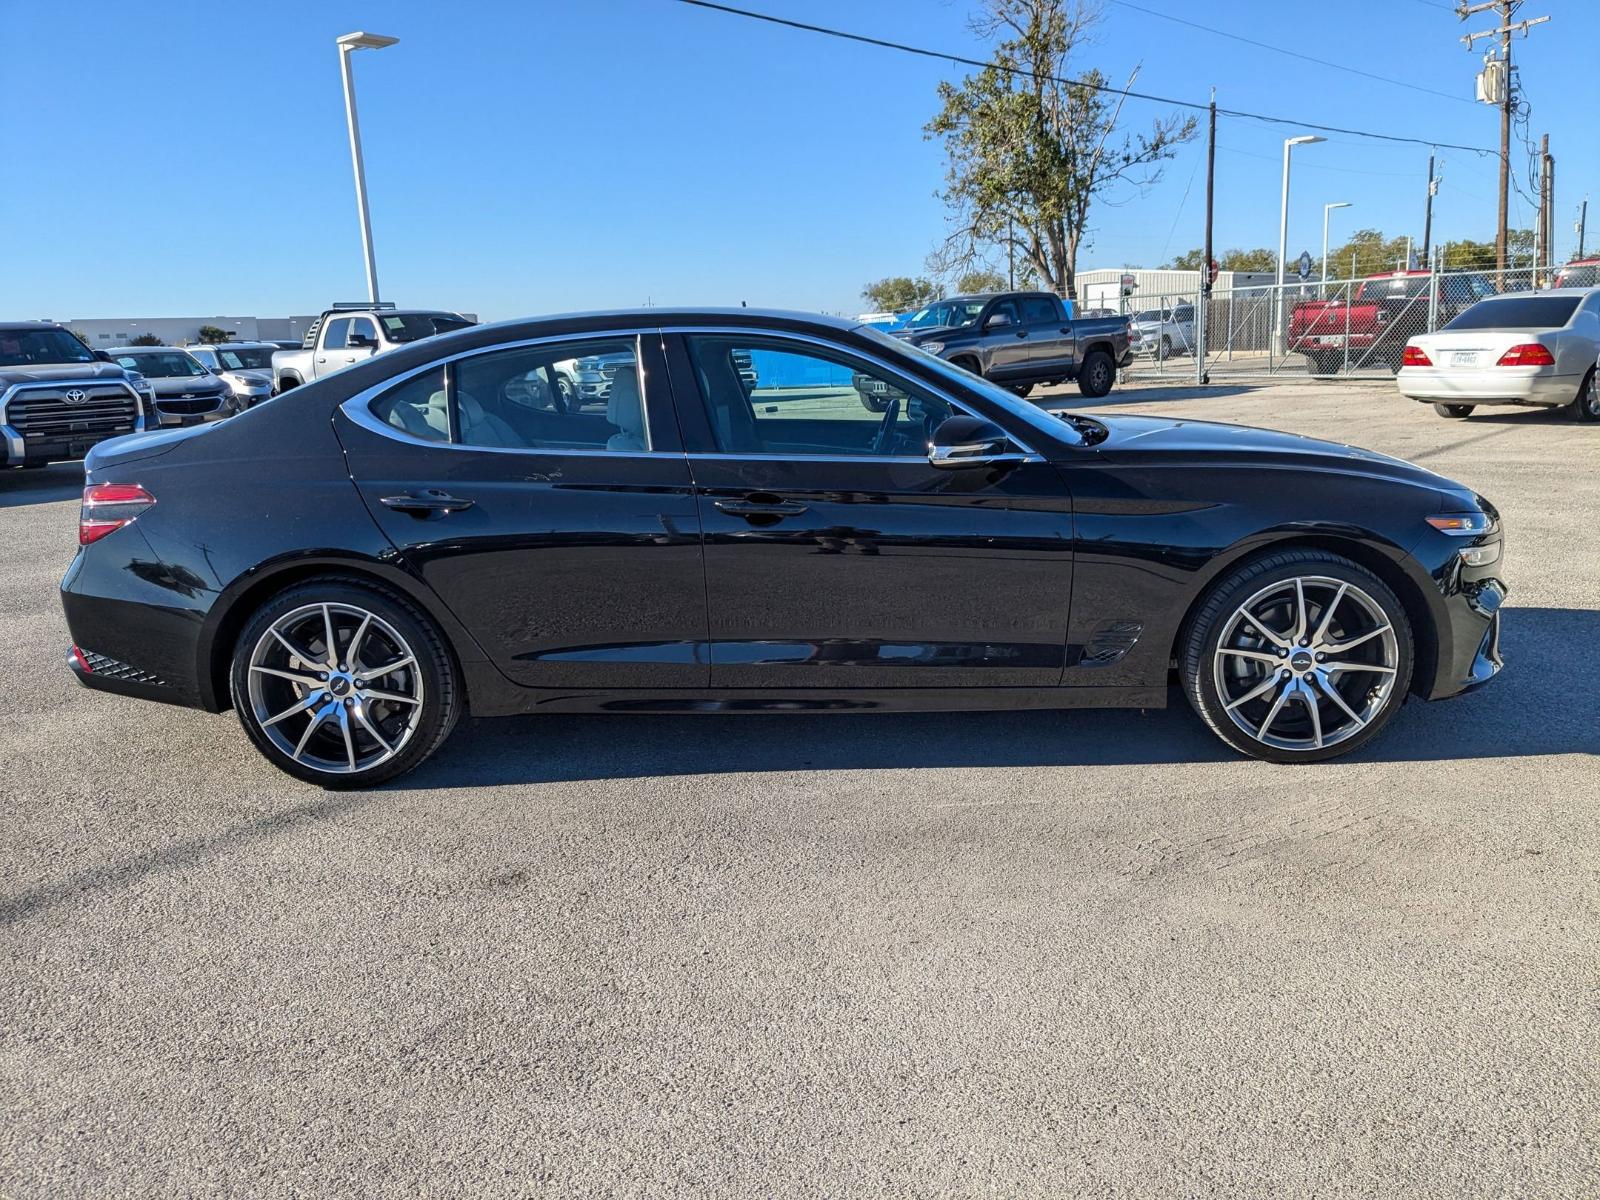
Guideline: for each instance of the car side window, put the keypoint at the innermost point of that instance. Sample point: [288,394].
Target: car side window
[773,397]
[528,398]
[1037,310]
[417,406]
[335,337]
[362,327]
[1006,310]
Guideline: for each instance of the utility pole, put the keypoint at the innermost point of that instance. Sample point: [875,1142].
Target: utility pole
[1427,223]
[1505,98]
[1583,221]
[1547,208]
[1201,376]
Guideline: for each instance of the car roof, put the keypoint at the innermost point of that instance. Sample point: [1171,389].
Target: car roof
[29,326]
[600,319]
[1529,293]
[229,346]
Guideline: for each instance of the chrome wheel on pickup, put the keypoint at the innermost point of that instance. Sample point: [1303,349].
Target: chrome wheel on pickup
[1299,656]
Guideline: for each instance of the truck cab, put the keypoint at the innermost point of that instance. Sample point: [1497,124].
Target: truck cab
[350,333]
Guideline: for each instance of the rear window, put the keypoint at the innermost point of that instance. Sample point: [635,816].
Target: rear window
[1518,312]
[413,327]
[1401,286]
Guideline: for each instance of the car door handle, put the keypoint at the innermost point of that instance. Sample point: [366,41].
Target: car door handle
[758,508]
[426,503]
[1022,333]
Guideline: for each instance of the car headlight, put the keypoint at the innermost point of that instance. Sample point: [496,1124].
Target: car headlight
[933,347]
[1462,524]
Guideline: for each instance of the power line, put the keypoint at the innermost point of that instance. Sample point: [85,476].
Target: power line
[1321,62]
[942,56]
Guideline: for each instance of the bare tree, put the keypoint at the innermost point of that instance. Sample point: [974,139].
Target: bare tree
[1030,151]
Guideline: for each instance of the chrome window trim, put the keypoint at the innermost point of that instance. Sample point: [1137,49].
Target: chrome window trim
[358,407]
[1029,454]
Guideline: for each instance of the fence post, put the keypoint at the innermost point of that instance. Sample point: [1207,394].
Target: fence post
[1204,303]
[1433,298]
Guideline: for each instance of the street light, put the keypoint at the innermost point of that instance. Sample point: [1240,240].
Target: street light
[348,43]
[1283,229]
[1326,209]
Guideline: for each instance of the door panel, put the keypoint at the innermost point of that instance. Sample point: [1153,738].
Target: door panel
[573,568]
[1010,346]
[838,557]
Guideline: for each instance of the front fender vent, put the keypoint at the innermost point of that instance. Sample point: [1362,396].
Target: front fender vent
[1110,643]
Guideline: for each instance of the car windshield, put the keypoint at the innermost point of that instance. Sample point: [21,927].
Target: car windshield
[951,314]
[413,327]
[1148,315]
[161,364]
[1408,287]
[1029,415]
[1518,312]
[246,358]
[39,347]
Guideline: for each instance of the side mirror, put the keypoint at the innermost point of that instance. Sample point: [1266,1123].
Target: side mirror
[963,441]
[102,356]
[360,341]
[997,320]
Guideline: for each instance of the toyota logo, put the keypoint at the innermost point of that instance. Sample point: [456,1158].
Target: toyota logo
[76,396]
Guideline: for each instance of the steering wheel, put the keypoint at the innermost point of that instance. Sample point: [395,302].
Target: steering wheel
[885,439]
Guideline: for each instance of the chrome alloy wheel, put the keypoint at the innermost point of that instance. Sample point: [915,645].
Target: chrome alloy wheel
[335,688]
[1306,663]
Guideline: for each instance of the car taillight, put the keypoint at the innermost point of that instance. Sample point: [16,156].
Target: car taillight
[1529,354]
[1414,357]
[107,507]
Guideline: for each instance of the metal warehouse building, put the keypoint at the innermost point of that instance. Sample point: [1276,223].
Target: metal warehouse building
[184,331]
[1152,288]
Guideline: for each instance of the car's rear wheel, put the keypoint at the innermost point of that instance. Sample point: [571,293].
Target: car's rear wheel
[344,683]
[1298,656]
[1453,410]
[1586,405]
[1097,374]
[1020,389]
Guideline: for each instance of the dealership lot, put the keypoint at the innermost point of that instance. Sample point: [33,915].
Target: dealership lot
[1036,953]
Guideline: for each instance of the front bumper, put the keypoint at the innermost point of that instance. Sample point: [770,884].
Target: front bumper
[179,420]
[1487,385]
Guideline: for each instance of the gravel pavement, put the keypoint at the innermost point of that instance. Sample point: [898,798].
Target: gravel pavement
[1037,954]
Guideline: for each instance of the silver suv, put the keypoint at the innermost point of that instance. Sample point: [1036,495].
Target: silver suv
[1163,332]
[246,367]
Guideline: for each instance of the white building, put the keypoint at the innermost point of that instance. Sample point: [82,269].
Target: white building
[1156,288]
[104,332]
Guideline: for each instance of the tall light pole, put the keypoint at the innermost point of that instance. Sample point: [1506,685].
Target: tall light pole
[1289,144]
[349,43]
[1326,209]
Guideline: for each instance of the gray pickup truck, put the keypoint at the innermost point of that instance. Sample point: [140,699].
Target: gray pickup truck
[1022,339]
[58,399]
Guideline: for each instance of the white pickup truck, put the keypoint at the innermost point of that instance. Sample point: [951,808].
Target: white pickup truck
[351,333]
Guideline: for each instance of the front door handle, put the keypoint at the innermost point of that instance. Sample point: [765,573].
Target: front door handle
[758,508]
[1022,333]
[426,503]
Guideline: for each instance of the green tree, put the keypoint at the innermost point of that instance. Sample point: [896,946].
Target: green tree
[897,293]
[210,335]
[1466,254]
[1228,260]
[146,339]
[1029,154]
[981,280]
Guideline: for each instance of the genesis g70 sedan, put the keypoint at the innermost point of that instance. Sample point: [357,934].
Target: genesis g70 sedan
[445,529]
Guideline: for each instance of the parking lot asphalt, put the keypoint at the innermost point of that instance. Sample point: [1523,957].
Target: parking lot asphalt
[1052,954]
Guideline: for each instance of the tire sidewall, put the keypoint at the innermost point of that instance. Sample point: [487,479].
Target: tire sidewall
[434,663]
[1200,644]
[1102,360]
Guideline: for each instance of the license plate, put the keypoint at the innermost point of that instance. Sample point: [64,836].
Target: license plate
[1330,342]
[1464,358]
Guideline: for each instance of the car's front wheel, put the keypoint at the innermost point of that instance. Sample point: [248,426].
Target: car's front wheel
[1298,656]
[343,683]
[1453,410]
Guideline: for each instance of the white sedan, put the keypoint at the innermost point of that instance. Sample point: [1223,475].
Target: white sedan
[1536,348]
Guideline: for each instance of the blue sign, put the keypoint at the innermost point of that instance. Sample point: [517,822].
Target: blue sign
[1304,265]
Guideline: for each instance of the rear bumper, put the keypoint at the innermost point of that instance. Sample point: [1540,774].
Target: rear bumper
[1487,385]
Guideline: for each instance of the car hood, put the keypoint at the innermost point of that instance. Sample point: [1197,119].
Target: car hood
[61,371]
[256,378]
[185,385]
[1173,442]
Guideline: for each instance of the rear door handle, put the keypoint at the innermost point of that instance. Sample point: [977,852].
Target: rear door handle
[426,503]
[755,508]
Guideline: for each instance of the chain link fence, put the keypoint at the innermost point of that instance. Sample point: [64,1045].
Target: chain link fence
[1355,328]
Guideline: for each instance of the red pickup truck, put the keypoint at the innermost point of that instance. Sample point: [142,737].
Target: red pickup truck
[1387,311]
[1581,272]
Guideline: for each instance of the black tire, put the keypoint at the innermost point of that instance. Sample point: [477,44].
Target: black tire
[1453,411]
[966,364]
[1097,374]
[1198,658]
[285,383]
[1020,389]
[1322,362]
[1585,405]
[1166,347]
[436,676]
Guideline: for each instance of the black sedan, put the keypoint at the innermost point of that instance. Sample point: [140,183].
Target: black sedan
[442,530]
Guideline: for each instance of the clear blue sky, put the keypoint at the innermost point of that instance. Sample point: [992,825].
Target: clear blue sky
[185,158]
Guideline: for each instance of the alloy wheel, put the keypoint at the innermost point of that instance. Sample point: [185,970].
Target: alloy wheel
[1306,663]
[335,688]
